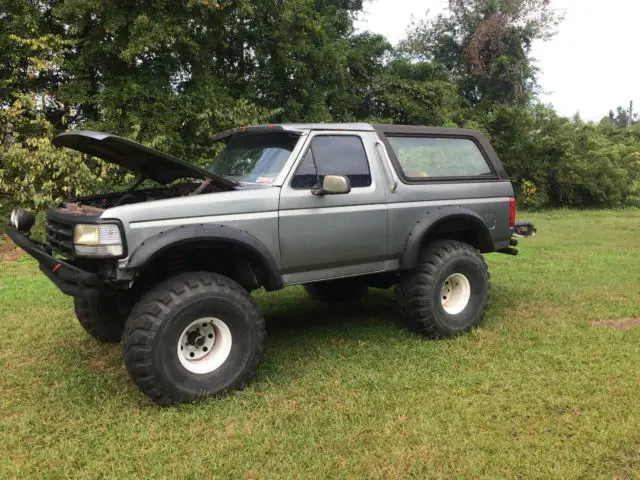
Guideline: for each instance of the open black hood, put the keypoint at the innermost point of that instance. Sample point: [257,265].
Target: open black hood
[145,161]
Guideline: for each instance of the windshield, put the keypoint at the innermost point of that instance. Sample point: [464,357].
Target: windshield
[254,158]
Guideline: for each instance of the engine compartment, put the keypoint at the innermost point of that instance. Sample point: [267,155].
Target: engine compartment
[96,204]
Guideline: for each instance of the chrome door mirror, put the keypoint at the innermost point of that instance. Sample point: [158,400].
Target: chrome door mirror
[333,185]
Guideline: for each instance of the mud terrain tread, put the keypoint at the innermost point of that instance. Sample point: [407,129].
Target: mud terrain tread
[148,317]
[414,292]
[94,322]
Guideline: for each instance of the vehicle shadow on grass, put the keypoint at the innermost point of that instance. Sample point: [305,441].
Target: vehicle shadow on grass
[300,315]
[298,331]
[290,315]
[302,333]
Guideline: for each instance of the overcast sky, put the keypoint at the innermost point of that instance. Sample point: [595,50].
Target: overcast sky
[588,67]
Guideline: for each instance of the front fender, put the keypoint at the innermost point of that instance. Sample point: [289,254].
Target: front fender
[185,234]
[430,220]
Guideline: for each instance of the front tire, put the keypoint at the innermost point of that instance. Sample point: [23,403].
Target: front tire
[448,293]
[194,336]
[103,317]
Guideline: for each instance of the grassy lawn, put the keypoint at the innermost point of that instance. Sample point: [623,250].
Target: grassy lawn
[536,392]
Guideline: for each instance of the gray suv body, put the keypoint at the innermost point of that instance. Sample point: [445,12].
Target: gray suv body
[336,207]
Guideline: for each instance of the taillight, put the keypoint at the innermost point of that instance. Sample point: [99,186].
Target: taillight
[512,212]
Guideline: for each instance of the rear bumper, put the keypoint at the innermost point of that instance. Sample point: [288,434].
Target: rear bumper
[68,278]
[520,230]
[524,229]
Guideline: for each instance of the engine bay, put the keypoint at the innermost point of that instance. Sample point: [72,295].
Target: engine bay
[96,204]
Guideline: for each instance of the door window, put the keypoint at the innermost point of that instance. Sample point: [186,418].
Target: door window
[333,155]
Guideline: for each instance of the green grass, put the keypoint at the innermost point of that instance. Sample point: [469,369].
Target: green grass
[536,392]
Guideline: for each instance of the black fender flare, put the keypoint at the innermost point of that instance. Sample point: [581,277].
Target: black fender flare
[430,219]
[185,234]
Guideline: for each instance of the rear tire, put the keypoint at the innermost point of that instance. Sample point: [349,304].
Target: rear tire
[193,336]
[337,291]
[448,293]
[102,317]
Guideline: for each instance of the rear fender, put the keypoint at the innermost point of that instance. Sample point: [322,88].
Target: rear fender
[425,227]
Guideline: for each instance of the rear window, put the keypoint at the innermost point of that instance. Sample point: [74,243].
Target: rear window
[429,157]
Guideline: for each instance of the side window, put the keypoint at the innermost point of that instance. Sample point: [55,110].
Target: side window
[305,176]
[333,155]
[431,157]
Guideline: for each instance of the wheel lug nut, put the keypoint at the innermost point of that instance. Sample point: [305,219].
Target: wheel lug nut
[204,349]
[211,335]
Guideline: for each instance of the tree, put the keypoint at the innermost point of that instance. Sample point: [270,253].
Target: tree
[486,45]
[32,46]
[33,172]
[300,56]
[562,162]
[621,118]
[169,73]
[367,59]
[412,94]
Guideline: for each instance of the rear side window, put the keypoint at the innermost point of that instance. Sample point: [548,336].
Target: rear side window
[333,155]
[430,157]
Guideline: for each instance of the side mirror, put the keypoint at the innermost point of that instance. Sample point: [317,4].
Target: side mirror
[333,185]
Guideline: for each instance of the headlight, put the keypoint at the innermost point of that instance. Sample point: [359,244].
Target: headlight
[98,240]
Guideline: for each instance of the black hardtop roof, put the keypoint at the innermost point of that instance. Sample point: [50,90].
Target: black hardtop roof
[423,130]
[355,127]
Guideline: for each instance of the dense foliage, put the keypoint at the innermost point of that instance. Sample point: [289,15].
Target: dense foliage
[168,73]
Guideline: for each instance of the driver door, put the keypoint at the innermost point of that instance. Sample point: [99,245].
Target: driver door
[336,234]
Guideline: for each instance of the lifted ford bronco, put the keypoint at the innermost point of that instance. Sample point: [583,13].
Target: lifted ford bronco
[337,208]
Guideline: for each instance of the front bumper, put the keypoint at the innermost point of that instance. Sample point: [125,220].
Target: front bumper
[68,278]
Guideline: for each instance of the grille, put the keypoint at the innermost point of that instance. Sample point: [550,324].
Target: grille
[60,237]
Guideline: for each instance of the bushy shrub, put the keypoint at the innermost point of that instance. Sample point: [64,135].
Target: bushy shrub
[34,173]
[555,161]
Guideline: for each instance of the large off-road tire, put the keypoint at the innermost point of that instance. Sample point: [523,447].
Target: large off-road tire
[448,292]
[102,317]
[193,336]
[337,291]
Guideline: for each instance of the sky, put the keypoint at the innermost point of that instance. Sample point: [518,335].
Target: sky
[588,67]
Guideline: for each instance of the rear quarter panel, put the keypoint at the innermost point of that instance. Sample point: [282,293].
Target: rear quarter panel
[413,199]
[410,203]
